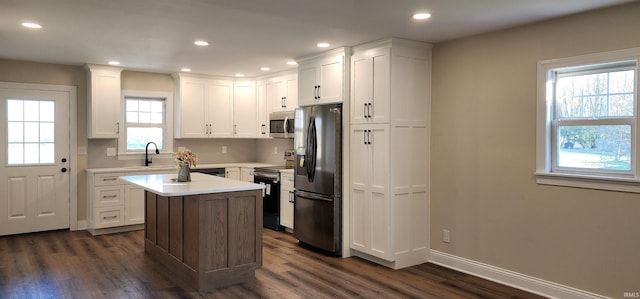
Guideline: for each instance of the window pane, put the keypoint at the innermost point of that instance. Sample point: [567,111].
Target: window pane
[144,118]
[16,131]
[606,147]
[31,110]
[47,111]
[144,106]
[31,153]
[157,106]
[47,153]
[16,153]
[132,105]
[605,94]
[31,132]
[47,132]
[132,117]
[137,138]
[156,118]
[15,110]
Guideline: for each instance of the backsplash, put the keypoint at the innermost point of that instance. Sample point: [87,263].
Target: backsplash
[210,151]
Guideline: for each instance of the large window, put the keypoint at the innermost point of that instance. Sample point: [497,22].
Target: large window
[147,118]
[587,120]
[145,122]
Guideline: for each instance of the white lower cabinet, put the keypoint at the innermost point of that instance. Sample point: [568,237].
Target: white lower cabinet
[286,200]
[232,173]
[133,205]
[246,174]
[113,205]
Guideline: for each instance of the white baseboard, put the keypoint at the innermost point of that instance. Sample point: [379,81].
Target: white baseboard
[82,224]
[510,278]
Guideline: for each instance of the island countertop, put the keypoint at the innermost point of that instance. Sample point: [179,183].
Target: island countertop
[166,184]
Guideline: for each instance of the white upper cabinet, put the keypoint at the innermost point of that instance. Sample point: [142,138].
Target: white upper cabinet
[262,120]
[282,93]
[245,109]
[204,107]
[220,108]
[370,90]
[321,78]
[103,101]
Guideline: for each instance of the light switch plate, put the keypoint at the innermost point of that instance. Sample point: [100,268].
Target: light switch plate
[224,149]
[82,151]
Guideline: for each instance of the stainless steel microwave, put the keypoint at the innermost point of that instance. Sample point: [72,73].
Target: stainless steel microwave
[281,124]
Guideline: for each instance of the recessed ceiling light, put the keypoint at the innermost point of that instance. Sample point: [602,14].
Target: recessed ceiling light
[291,62]
[323,45]
[239,75]
[421,16]
[185,69]
[264,68]
[201,43]
[31,25]
[113,62]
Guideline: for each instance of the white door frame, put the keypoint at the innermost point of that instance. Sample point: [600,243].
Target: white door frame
[73,139]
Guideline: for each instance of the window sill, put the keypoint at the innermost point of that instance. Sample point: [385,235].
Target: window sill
[631,185]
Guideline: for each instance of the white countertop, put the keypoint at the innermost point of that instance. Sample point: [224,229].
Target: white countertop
[164,184]
[154,168]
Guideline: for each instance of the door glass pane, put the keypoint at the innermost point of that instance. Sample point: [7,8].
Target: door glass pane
[16,153]
[47,151]
[47,111]
[15,110]
[31,110]
[16,131]
[31,153]
[47,132]
[30,132]
[606,147]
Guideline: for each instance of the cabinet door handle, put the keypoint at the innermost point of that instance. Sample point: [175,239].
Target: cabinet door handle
[369,110]
[109,217]
[284,101]
[109,179]
[368,136]
[235,129]
[263,128]
[364,112]
[292,198]
[318,92]
[364,136]
[109,196]
[117,127]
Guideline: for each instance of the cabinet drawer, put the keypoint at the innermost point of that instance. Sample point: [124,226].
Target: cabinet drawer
[109,217]
[105,179]
[106,196]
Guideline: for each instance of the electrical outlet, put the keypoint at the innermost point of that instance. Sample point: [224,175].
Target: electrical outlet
[82,151]
[181,148]
[275,150]
[446,236]
[111,152]
[224,149]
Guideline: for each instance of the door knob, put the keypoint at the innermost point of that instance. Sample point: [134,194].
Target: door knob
[64,169]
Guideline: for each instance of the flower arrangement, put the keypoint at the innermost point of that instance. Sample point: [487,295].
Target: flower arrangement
[185,156]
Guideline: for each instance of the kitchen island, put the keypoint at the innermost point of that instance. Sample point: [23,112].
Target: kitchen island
[207,232]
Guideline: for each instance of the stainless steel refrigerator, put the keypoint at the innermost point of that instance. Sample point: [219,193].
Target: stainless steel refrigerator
[317,219]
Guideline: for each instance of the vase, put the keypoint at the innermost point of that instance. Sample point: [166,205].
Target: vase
[184,173]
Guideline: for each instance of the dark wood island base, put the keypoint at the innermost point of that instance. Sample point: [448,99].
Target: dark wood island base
[207,240]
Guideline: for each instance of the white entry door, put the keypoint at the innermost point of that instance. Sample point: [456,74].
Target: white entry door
[34,160]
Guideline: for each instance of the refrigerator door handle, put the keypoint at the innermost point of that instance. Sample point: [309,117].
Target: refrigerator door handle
[313,196]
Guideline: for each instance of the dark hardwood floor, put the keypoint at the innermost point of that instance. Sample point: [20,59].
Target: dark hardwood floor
[63,264]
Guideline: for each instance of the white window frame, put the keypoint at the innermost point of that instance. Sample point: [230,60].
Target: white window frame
[167,151]
[545,173]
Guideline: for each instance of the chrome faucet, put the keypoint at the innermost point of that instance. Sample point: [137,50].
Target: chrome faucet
[147,160]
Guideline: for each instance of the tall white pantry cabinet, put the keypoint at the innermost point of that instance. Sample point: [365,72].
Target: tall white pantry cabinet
[389,144]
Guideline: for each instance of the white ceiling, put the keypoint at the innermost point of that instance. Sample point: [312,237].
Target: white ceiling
[244,35]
